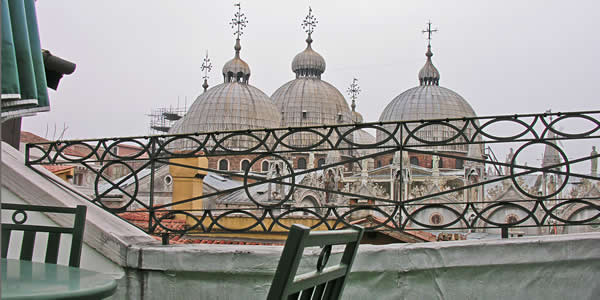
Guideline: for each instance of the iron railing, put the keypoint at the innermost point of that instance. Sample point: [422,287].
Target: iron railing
[399,196]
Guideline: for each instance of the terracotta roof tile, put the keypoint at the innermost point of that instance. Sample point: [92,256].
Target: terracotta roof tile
[57,168]
[28,137]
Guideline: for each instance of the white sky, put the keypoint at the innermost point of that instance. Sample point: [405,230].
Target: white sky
[504,57]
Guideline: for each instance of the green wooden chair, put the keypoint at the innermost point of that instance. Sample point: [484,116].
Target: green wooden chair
[323,283]
[19,217]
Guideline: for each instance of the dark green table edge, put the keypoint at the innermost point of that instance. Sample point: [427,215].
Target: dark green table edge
[99,292]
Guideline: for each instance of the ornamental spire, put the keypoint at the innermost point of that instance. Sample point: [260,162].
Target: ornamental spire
[429,75]
[238,23]
[308,24]
[308,63]
[237,70]
[353,92]
[429,31]
[206,67]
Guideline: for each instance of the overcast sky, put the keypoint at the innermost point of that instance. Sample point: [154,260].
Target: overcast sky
[503,57]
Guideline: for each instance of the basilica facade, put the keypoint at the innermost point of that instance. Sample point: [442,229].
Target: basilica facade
[309,100]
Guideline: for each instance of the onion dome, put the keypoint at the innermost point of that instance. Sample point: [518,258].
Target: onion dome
[430,101]
[232,105]
[308,100]
[308,63]
[429,75]
[236,69]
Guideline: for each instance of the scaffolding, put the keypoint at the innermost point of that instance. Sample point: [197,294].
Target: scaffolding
[162,119]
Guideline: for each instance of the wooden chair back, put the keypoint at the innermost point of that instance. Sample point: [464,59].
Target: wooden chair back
[326,282]
[19,217]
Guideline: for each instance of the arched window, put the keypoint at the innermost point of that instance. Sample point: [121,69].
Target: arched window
[391,161]
[379,164]
[414,160]
[321,162]
[245,165]
[265,166]
[459,163]
[301,163]
[224,165]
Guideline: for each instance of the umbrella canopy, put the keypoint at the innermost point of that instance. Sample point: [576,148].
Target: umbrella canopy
[23,75]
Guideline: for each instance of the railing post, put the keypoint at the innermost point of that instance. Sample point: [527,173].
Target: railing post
[152,158]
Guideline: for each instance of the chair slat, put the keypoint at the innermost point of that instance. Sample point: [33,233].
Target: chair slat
[307,294]
[337,287]
[318,294]
[307,280]
[327,294]
[5,241]
[52,247]
[27,245]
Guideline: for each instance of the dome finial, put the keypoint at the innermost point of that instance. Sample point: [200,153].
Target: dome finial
[309,63]
[308,24]
[206,67]
[429,75]
[429,31]
[353,92]
[238,22]
[237,70]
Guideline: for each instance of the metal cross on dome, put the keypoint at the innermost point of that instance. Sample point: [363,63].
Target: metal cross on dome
[353,92]
[239,20]
[310,22]
[206,66]
[429,31]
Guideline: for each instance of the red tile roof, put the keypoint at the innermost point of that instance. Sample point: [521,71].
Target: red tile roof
[57,168]
[179,240]
[28,137]
[140,219]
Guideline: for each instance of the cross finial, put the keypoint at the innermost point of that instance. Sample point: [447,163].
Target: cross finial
[206,66]
[310,22]
[429,31]
[353,92]
[238,22]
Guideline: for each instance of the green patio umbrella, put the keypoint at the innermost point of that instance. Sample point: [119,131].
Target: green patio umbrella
[23,76]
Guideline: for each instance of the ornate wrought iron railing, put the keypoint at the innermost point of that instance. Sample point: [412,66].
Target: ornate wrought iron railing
[351,179]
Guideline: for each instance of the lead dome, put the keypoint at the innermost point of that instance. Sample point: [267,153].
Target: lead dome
[430,101]
[232,105]
[307,100]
